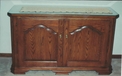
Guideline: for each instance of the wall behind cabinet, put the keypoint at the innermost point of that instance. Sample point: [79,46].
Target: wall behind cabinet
[5,36]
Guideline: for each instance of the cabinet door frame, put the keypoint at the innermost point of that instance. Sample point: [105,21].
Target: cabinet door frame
[21,60]
[104,50]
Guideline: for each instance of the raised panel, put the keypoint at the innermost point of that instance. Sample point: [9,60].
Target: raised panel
[83,44]
[37,39]
[87,42]
[38,44]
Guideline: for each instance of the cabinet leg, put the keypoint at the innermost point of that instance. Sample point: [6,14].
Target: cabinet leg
[17,70]
[105,71]
[101,72]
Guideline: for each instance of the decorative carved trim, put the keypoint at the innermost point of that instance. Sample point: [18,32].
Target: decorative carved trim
[41,26]
[84,27]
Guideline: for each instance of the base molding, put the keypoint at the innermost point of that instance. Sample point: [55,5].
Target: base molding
[10,55]
[116,56]
[5,55]
[63,70]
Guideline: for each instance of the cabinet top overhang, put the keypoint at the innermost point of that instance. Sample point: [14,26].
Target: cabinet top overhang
[61,10]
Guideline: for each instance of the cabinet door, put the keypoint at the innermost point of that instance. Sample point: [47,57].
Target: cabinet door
[38,41]
[87,42]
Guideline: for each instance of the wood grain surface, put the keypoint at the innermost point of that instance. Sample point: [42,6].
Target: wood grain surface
[62,43]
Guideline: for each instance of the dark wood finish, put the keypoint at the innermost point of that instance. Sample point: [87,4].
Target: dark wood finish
[10,55]
[116,56]
[40,37]
[5,55]
[86,37]
[62,43]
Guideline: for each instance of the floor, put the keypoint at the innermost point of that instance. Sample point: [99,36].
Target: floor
[5,64]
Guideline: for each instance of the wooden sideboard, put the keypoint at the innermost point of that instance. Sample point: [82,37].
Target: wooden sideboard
[62,41]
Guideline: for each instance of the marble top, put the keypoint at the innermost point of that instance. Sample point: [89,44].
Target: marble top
[61,10]
[100,10]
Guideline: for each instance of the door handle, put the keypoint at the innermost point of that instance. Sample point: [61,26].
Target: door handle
[66,36]
[60,36]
